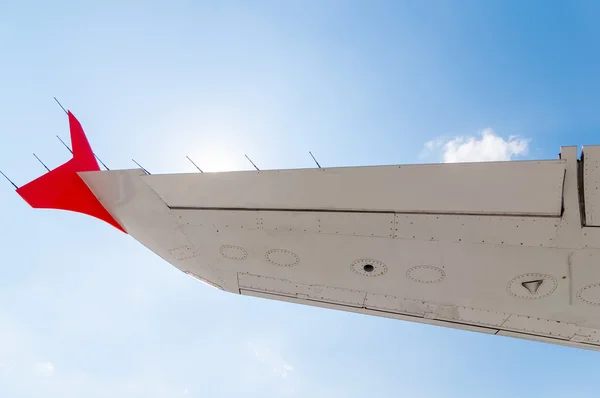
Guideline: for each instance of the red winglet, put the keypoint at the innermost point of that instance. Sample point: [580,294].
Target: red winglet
[63,189]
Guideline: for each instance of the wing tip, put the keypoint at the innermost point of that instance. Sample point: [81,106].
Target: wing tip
[63,189]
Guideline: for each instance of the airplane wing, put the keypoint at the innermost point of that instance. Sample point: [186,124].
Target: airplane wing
[506,248]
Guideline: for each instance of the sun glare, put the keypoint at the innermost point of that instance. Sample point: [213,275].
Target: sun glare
[217,159]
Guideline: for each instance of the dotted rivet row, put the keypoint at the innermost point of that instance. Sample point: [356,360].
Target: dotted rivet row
[313,292]
[233,252]
[583,290]
[183,253]
[440,272]
[534,330]
[379,268]
[293,256]
[522,278]
[239,253]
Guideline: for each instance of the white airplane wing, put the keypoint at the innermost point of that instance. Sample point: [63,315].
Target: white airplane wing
[506,248]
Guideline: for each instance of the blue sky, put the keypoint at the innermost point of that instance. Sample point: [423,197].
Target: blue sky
[87,311]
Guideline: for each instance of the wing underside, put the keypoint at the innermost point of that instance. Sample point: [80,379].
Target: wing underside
[507,248]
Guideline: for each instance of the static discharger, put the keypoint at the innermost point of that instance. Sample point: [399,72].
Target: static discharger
[318,165]
[9,180]
[59,104]
[96,156]
[66,146]
[199,169]
[39,160]
[252,162]
[141,167]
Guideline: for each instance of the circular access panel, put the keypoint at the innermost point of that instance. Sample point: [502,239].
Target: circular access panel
[532,286]
[233,252]
[590,294]
[282,258]
[368,267]
[426,274]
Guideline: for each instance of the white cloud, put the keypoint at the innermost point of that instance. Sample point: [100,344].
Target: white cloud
[486,147]
[271,359]
[23,372]
[44,368]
